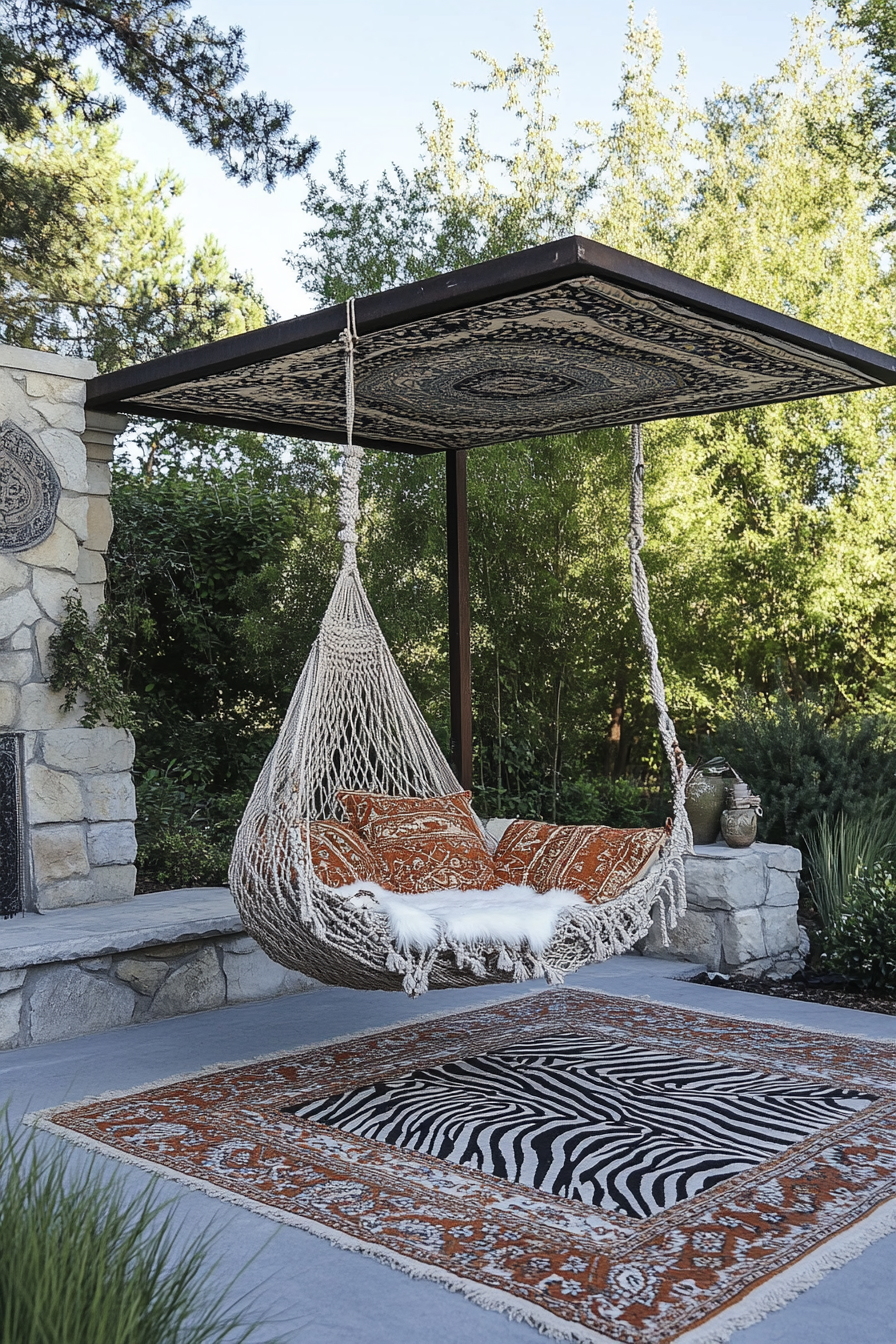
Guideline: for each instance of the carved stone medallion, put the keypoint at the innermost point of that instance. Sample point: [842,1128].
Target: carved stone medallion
[29,490]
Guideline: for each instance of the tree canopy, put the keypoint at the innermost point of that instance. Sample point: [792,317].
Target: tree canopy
[108,275]
[178,64]
[771,529]
[88,252]
[873,124]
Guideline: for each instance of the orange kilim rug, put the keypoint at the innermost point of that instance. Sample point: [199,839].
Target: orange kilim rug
[606,1169]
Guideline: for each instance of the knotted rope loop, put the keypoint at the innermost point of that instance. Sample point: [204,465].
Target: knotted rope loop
[349,499]
[641,599]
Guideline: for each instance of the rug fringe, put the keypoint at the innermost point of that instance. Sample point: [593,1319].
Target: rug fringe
[492,1299]
[789,1283]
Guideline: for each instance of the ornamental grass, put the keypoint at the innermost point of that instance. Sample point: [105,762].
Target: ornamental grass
[839,851]
[85,1261]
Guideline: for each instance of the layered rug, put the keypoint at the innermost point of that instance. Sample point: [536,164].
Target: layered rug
[606,1169]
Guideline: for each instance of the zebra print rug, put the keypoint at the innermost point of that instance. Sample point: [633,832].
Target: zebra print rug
[606,1169]
[605,1122]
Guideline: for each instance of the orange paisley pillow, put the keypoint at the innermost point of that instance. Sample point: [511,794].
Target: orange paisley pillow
[517,848]
[424,844]
[339,854]
[598,862]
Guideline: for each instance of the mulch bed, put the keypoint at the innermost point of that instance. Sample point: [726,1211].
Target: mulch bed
[827,989]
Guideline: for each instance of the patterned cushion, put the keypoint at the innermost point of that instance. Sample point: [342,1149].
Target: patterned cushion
[425,844]
[598,862]
[339,855]
[517,848]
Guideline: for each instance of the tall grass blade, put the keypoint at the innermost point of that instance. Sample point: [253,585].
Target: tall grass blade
[86,1262]
[839,850]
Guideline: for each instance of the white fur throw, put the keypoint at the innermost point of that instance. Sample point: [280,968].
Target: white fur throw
[519,917]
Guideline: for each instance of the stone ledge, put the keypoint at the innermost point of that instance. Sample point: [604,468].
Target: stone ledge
[42,361]
[75,972]
[101,930]
[784,857]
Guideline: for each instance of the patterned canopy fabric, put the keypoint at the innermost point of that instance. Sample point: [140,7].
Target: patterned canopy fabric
[581,354]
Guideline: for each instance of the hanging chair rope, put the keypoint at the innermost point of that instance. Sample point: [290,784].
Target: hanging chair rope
[641,601]
[353,724]
[349,497]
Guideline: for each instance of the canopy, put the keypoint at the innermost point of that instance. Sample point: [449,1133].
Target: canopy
[567,336]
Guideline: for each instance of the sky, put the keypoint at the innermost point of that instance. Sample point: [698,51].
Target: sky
[363,76]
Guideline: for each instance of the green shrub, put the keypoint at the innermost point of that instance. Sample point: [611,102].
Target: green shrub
[839,851]
[186,858]
[84,1262]
[186,557]
[805,767]
[581,802]
[601,802]
[861,942]
[184,833]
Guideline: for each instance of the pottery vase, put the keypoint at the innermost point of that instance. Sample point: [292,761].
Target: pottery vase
[704,803]
[739,826]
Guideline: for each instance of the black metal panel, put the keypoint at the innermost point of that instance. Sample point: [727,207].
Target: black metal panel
[10,828]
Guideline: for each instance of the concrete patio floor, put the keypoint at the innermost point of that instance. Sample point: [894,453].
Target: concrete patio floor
[309,1292]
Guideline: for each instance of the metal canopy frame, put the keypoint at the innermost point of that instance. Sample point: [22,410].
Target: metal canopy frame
[254,371]
[833,364]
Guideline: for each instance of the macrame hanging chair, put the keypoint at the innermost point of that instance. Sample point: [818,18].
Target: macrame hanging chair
[353,724]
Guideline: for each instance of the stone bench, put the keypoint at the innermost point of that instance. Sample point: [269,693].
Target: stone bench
[742,912]
[75,971]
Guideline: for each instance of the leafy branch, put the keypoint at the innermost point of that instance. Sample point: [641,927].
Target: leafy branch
[182,68]
[80,653]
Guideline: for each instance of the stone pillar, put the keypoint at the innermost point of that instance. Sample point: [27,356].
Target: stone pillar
[55,524]
[742,912]
[99,444]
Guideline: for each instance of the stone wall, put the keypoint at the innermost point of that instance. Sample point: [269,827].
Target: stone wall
[742,912]
[78,824]
[59,1000]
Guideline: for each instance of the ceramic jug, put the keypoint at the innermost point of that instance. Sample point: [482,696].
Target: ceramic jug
[704,803]
[739,825]
[740,818]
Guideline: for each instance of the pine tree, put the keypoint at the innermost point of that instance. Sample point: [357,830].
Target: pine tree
[179,65]
[111,278]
